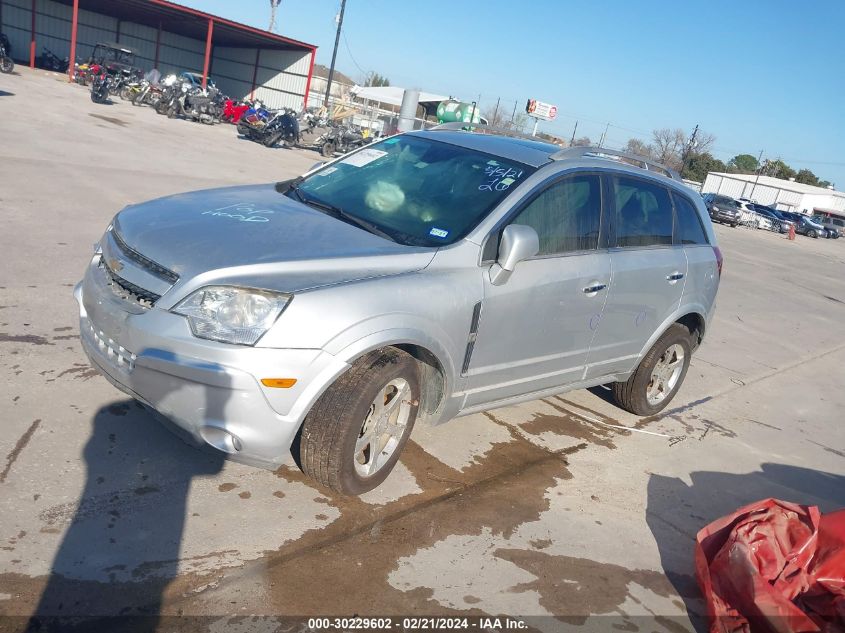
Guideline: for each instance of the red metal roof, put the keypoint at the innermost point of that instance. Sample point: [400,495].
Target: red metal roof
[190,22]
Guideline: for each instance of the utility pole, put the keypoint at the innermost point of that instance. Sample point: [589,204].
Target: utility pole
[334,53]
[688,149]
[606,128]
[575,129]
[757,179]
[513,114]
[496,112]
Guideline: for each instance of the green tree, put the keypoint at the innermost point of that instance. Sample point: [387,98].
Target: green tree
[743,164]
[807,177]
[824,183]
[778,169]
[700,164]
[376,80]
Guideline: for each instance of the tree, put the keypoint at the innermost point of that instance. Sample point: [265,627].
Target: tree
[807,177]
[501,119]
[584,141]
[274,4]
[743,164]
[700,164]
[777,169]
[640,148]
[376,80]
[669,146]
[824,183]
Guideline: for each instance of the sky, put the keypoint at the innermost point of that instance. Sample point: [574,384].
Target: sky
[760,75]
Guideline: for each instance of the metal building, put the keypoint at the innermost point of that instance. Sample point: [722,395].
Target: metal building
[786,195]
[242,60]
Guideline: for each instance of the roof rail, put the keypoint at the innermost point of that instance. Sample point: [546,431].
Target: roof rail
[482,128]
[621,157]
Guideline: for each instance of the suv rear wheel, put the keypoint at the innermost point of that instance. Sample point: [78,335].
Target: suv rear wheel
[659,375]
[352,437]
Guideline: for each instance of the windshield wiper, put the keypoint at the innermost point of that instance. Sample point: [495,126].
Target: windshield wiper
[340,214]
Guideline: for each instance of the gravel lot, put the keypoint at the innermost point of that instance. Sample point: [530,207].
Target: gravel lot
[548,508]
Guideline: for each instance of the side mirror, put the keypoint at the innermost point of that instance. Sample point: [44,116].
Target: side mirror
[519,242]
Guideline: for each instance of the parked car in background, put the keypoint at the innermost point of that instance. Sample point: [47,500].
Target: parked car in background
[780,223]
[804,225]
[834,226]
[749,217]
[195,79]
[415,279]
[722,209]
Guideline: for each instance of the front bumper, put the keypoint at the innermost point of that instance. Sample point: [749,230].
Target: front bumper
[724,216]
[210,391]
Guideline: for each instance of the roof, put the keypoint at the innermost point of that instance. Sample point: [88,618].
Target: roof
[339,77]
[534,153]
[183,20]
[391,94]
[780,183]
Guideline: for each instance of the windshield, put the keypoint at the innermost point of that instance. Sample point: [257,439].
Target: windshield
[418,191]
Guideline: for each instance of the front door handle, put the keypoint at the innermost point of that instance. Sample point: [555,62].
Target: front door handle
[675,276]
[594,288]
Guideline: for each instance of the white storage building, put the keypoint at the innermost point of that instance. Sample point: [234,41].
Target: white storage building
[786,195]
[242,60]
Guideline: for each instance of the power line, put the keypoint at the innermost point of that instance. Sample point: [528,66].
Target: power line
[357,65]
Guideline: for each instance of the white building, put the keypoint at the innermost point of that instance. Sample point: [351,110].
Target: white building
[786,195]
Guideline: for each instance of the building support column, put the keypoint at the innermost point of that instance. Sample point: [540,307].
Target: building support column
[74,24]
[308,81]
[207,53]
[158,45]
[117,32]
[32,39]
[254,74]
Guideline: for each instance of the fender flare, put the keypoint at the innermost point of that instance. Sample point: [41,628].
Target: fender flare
[696,309]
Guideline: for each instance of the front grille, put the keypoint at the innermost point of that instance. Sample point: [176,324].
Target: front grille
[128,291]
[116,353]
[144,262]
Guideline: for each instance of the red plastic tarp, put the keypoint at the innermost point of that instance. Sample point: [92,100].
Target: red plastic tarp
[774,566]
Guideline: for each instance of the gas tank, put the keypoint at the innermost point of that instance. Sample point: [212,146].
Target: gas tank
[450,110]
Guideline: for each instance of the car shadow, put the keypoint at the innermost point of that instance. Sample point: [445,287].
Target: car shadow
[676,511]
[122,544]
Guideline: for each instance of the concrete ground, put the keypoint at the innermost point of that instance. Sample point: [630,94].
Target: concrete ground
[565,507]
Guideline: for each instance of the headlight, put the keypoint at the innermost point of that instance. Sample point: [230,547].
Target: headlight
[230,314]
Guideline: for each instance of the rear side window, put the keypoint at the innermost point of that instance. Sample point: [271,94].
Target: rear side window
[643,213]
[689,229]
[566,216]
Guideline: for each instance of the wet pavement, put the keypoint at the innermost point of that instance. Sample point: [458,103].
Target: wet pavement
[566,507]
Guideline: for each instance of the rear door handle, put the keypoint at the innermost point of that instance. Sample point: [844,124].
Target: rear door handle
[594,288]
[675,276]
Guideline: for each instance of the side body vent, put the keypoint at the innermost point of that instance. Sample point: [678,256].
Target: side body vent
[473,334]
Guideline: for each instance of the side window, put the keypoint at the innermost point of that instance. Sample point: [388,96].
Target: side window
[566,216]
[643,213]
[689,229]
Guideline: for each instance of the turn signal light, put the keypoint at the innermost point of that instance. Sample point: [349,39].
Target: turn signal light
[279,383]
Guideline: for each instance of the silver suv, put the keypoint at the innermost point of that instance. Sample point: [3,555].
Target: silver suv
[430,275]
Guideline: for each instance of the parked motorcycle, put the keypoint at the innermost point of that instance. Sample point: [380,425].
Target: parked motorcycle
[50,61]
[100,87]
[6,63]
[196,104]
[233,111]
[341,139]
[269,128]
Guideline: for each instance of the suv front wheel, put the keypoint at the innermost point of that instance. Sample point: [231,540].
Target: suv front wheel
[659,375]
[352,437]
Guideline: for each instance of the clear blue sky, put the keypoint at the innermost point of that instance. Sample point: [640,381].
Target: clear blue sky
[759,74]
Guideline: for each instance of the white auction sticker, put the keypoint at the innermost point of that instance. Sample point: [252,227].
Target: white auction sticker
[364,157]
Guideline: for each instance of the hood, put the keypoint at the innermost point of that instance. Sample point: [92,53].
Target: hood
[257,236]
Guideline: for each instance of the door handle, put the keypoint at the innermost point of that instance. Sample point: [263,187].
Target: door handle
[594,288]
[675,276]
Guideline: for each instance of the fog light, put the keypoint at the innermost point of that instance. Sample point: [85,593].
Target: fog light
[221,439]
[279,383]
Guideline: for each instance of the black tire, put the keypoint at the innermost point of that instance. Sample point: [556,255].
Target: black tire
[95,97]
[813,233]
[631,394]
[328,149]
[734,225]
[335,423]
[172,111]
[126,93]
[272,139]
[6,65]
[162,107]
